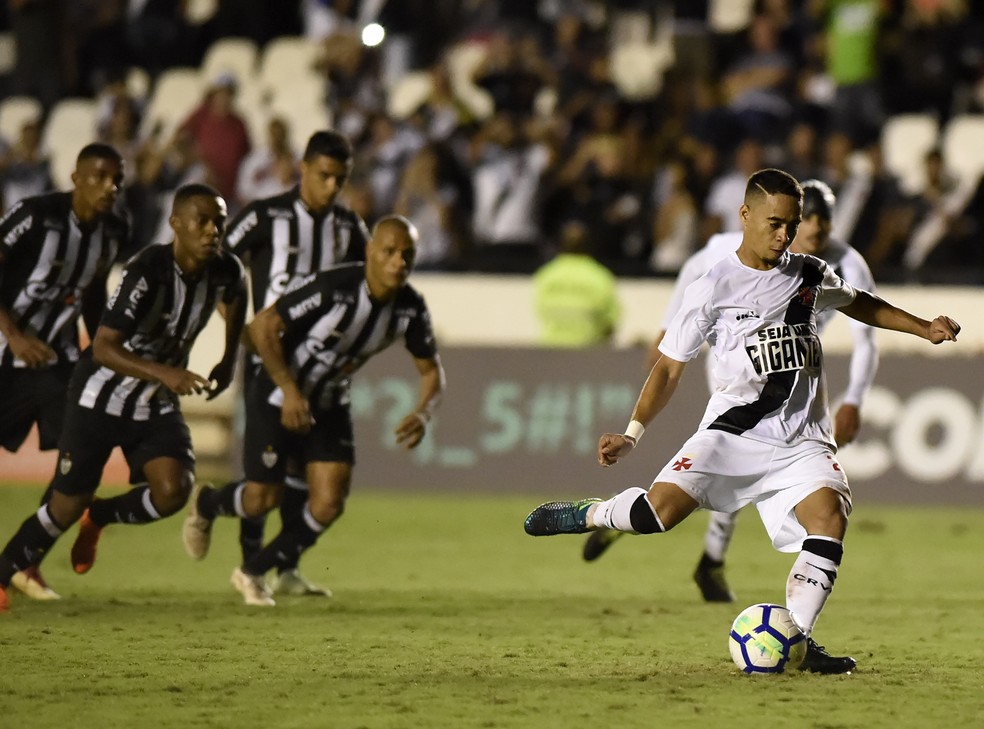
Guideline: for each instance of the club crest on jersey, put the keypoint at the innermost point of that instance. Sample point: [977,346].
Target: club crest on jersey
[784,348]
[65,464]
[269,457]
[806,296]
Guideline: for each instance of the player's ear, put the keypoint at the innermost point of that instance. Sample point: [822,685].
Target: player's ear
[743,212]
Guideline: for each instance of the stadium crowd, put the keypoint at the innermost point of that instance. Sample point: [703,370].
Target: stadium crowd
[650,153]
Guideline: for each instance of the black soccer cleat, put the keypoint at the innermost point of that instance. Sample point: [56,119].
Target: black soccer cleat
[819,661]
[598,543]
[710,578]
[559,517]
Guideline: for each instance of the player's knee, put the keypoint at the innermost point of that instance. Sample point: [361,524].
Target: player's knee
[171,495]
[325,511]
[643,517]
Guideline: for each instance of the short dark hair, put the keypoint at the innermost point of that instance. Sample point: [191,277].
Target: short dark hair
[193,189]
[771,181]
[818,199]
[328,143]
[98,150]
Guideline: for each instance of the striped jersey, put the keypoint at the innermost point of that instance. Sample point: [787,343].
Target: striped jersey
[282,241]
[160,311]
[333,325]
[50,259]
[762,330]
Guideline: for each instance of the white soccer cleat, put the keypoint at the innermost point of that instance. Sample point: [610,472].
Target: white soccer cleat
[292,582]
[32,584]
[196,533]
[253,588]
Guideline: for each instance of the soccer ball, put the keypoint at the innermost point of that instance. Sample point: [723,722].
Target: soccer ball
[764,639]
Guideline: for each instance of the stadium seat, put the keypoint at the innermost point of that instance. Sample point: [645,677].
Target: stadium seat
[729,16]
[905,140]
[963,147]
[304,115]
[71,125]
[234,55]
[637,68]
[407,94]
[177,92]
[285,60]
[463,59]
[14,112]
[8,53]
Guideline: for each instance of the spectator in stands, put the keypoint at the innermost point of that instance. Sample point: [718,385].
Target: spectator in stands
[728,190]
[219,135]
[24,170]
[576,297]
[513,72]
[506,177]
[40,36]
[428,196]
[271,169]
[677,219]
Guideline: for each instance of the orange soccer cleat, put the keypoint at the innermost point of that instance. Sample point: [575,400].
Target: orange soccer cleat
[84,549]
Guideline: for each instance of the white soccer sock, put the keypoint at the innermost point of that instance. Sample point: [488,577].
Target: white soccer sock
[615,513]
[811,580]
[720,527]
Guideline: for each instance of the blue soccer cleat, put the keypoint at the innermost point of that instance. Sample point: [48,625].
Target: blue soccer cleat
[559,517]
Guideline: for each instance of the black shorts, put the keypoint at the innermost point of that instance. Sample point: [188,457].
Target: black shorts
[29,396]
[89,437]
[268,446]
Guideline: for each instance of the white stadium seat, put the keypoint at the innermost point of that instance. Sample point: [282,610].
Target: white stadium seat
[963,147]
[285,59]
[905,140]
[237,56]
[14,112]
[71,125]
[175,95]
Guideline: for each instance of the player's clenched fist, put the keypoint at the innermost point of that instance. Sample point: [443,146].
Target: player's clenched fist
[612,446]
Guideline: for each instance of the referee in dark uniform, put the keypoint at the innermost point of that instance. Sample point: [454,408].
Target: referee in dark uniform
[124,391]
[282,239]
[311,341]
[55,253]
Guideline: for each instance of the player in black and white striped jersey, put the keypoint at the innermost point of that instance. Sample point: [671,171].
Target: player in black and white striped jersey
[281,240]
[124,391]
[55,253]
[311,341]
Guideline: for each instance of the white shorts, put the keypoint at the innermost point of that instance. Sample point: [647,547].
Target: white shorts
[723,472]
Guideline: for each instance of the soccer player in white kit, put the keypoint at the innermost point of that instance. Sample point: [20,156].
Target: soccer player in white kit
[765,437]
[813,237]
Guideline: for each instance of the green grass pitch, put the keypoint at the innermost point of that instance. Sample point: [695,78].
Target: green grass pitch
[447,615]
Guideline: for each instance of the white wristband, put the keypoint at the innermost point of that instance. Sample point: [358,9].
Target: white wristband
[634,431]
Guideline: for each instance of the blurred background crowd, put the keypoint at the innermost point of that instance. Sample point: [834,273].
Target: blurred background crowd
[503,126]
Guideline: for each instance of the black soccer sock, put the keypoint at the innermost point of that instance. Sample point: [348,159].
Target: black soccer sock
[29,545]
[133,507]
[251,535]
[292,514]
[223,501]
[286,546]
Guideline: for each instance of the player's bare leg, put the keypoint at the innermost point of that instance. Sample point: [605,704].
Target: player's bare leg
[709,574]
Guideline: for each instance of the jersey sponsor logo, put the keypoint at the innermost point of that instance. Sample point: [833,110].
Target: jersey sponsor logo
[136,295]
[746,315]
[13,209]
[785,348]
[283,282]
[309,304]
[235,237]
[53,224]
[279,213]
[40,291]
[18,230]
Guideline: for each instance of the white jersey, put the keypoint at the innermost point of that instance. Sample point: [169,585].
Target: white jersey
[762,330]
[846,262]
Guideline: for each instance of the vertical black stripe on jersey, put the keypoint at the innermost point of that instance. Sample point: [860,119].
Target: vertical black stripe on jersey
[106,392]
[317,225]
[778,385]
[351,355]
[330,343]
[31,310]
[44,332]
[293,242]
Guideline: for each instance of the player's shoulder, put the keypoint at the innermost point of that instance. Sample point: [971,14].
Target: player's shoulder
[227,267]
[346,216]
[156,257]
[344,276]
[409,296]
[258,213]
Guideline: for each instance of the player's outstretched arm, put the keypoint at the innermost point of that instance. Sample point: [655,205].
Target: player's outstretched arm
[656,393]
[413,427]
[877,312]
[108,351]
